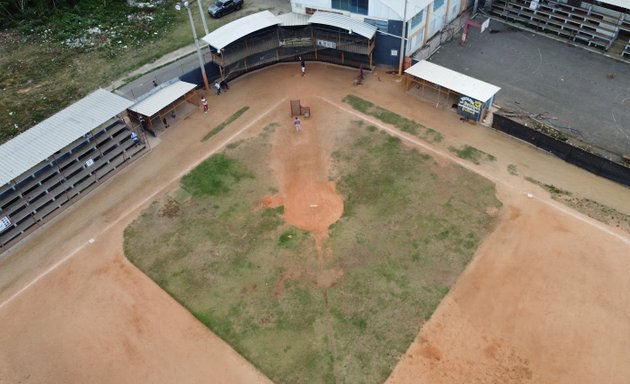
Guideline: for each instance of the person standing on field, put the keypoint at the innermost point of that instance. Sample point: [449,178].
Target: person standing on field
[217,87]
[298,124]
[302,66]
[204,102]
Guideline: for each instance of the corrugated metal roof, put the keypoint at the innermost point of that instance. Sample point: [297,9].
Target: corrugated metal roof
[458,82]
[229,33]
[160,99]
[292,19]
[25,151]
[344,22]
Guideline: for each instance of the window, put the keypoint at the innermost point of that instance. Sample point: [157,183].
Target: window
[417,19]
[437,4]
[354,6]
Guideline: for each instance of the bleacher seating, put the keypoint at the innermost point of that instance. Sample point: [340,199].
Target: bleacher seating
[569,22]
[49,187]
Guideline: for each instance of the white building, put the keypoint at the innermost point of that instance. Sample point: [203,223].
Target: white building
[423,19]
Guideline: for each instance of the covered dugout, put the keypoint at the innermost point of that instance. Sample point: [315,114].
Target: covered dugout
[157,110]
[48,167]
[474,97]
[263,39]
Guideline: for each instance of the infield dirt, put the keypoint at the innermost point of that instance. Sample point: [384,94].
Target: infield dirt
[545,300]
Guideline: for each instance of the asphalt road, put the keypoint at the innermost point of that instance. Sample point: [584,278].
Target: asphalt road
[570,85]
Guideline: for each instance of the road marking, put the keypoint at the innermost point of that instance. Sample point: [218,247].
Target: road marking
[138,206]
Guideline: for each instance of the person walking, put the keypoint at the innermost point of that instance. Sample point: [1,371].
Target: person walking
[204,102]
[217,87]
[302,66]
[298,124]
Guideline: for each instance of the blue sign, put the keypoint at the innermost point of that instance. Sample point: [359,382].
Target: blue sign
[469,108]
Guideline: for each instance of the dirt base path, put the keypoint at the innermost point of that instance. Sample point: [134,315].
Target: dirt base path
[545,299]
[97,319]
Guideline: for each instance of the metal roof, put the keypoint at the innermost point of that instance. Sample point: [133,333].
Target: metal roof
[619,3]
[229,33]
[458,82]
[292,19]
[162,98]
[344,22]
[30,148]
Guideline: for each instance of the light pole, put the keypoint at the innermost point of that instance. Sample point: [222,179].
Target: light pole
[194,31]
[202,14]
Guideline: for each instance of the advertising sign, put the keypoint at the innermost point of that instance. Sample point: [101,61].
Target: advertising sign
[5,223]
[327,44]
[296,42]
[469,108]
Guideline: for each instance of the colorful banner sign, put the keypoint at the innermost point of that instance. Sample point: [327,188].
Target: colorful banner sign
[469,108]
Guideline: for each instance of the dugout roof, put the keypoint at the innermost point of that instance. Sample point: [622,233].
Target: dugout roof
[455,81]
[344,22]
[30,148]
[229,33]
[292,19]
[159,100]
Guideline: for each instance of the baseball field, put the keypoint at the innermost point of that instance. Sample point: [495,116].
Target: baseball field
[386,242]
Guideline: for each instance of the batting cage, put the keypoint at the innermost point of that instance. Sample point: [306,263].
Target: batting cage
[263,39]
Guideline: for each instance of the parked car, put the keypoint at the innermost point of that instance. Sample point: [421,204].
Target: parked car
[223,7]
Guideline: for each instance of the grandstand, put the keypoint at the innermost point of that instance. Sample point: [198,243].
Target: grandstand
[263,39]
[50,166]
[605,27]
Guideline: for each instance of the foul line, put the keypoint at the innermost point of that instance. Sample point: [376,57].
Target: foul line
[467,165]
[138,205]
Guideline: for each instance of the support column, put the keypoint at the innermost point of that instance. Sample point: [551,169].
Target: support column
[426,24]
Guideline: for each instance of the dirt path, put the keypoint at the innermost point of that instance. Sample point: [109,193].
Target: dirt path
[545,299]
[300,161]
[97,319]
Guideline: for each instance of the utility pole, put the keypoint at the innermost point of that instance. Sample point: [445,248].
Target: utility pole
[202,14]
[194,31]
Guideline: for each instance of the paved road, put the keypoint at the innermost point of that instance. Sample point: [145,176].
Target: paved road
[541,75]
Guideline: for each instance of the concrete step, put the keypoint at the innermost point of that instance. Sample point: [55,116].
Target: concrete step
[617,47]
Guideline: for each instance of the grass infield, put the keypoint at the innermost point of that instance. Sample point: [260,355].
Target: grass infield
[409,228]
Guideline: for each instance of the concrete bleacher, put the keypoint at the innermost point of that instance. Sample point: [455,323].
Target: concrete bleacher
[580,25]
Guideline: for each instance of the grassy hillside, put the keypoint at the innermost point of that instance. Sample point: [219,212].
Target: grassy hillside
[50,60]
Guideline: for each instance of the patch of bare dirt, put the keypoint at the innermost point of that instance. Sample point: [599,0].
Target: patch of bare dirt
[329,277]
[292,273]
[301,164]
[271,201]
[533,306]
